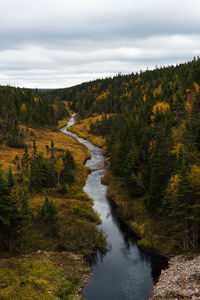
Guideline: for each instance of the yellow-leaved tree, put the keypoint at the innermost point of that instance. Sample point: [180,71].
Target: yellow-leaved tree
[157,91]
[161,107]
[23,108]
[197,88]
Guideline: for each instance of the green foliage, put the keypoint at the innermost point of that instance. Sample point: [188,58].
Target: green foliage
[47,172]
[68,172]
[38,278]
[27,106]
[48,212]
[11,180]
[48,218]
[14,212]
[151,125]
[82,236]
[68,290]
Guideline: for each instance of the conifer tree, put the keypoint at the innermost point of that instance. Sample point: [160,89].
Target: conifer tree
[11,180]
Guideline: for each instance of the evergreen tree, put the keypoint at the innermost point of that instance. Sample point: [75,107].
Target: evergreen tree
[11,180]
[48,216]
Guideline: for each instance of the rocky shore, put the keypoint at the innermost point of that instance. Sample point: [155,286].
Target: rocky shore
[181,280]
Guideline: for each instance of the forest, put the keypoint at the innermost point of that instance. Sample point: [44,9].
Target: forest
[38,166]
[151,124]
[28,107]
[43,208]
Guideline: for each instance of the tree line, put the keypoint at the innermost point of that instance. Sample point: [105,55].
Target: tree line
[151,122]
[29,107]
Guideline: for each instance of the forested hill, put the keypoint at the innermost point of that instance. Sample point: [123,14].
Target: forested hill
[153,141]
[29,107]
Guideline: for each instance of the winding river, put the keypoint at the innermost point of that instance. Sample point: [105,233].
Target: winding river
[124,272]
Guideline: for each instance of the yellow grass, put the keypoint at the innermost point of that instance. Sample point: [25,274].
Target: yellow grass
[43,138]
[82,129]
[61,141]
[62,123]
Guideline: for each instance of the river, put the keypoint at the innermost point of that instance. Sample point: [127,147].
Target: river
[124,272]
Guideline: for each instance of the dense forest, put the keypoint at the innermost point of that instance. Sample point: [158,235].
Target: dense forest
[28,107]
[40,183]
[151,122]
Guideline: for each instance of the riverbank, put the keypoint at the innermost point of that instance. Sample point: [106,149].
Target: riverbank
[111,211]
[132,213]
[55,267]
[181,280]
[82,129]
[174,283]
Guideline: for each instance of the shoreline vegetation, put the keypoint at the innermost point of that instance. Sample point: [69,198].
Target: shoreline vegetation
[48,246]
[150,124]
[178,280]
[132,213]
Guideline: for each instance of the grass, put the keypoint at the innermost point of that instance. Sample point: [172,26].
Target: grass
[43,275]
[63,122]
[42,138]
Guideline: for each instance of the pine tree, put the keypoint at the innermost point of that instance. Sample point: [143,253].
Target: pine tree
[68,172]
[48,216]
[11,180]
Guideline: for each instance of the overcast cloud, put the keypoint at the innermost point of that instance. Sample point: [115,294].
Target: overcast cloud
[59,43]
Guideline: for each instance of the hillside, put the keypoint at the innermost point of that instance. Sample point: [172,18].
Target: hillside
[151,124]
[43,207]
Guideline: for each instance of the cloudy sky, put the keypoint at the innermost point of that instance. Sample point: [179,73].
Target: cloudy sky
[59,43]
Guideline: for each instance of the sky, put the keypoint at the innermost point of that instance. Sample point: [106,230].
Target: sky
[61,43]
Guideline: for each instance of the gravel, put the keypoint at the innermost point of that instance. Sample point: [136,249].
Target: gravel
[181,280]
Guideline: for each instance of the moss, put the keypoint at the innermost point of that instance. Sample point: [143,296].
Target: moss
[41,276]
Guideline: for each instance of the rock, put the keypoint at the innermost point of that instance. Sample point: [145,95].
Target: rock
[180,281]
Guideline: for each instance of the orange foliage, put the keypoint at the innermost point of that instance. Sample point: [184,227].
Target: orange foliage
[102,96]
[23,107]
[126,95]
[188,106]
[173,187]
[177,148]
[161,107]
[195,175]
[157,91]
[197,88]
[151,145]
[144,98]
[36,99]
[138,80]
